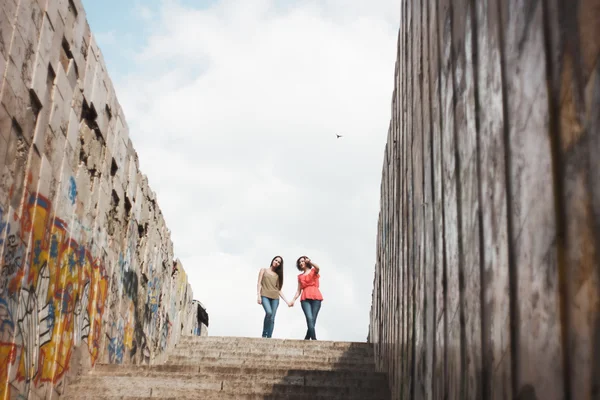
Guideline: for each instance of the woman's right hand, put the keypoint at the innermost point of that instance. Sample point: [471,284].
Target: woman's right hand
[258,300]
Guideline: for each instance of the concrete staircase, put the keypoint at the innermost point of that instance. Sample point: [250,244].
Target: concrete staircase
[243,368]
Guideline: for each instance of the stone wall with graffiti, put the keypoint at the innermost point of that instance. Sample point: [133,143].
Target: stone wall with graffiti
[87,267]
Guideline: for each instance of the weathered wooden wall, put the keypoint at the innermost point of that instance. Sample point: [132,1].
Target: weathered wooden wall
[487,278]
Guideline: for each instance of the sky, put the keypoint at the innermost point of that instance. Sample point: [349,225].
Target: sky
[233,107]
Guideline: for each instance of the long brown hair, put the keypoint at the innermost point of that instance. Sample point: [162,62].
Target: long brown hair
[278,271]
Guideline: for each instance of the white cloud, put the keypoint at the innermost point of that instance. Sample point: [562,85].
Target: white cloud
[233,110]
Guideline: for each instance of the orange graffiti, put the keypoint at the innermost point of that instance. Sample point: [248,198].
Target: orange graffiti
[62,288]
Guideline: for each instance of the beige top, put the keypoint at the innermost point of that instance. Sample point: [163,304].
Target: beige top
[269,285]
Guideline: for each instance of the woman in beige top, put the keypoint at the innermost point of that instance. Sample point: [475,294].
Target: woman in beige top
[270,282]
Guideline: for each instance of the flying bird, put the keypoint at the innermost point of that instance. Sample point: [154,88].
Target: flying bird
[338,136]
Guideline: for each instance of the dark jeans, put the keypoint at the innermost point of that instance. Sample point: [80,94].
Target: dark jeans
[311,310]
[270,306]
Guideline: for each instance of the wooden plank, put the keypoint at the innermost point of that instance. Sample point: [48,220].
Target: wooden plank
[398,214]
[417,207]
[410,258]
[427,210]
[439,384]
[403,386]
[403,71]
[531,212]
[468,198]
[497,374]
[592,101]
[449,176]
[572,50]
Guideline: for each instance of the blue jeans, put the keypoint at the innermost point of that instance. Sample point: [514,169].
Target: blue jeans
[270,306]
[311,310]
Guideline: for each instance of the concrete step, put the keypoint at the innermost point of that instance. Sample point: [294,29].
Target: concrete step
[283,363]
[290,377]
[211,395]
[278,348]
[170,387]
[242,371]
[271,356]
[272,342]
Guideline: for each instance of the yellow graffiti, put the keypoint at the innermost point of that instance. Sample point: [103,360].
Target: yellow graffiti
[64,286]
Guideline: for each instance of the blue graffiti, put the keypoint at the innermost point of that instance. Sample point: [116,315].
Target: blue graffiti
[81,256]
[54,247]
[71,262]
[7,324]
[72,190]
[50,318]
[37,251]
[152,300]
[116,347]
[2,226]
[115,351]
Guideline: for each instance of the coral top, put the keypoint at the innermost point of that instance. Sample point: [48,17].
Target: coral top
[310,286]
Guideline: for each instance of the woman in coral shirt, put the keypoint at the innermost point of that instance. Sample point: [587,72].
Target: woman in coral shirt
[308,286]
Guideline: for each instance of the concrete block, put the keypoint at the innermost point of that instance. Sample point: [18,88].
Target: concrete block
[99,90]
[7,16]
[46,39]
[77,102]
[39,82]
[55,150]
[132,179]
[52,13]
[42,5]
[46,177]
[6,178]
[5,121]
[29,21]
[56,46]
[64,85]
[25,44]
[73,130]
[10,8]
[81,34]
[90,69]
[119,155]
[3,149]
[42,126]
[137,203]
[84,189]
[70,18]
[18,52]
[62,9]
[72,74]
[2,69]
[17,102]
[81,54]
[32,166]
[59,112]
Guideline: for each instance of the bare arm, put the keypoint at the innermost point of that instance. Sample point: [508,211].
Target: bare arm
[284,299]
[315,266]
[298,292]
[259,286]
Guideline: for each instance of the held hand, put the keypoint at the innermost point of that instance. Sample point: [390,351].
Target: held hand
[291,304]
[258,300]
